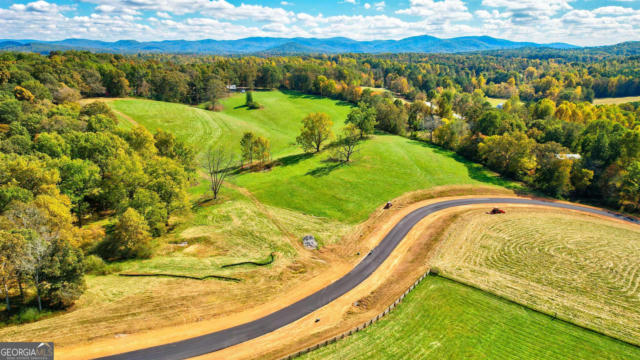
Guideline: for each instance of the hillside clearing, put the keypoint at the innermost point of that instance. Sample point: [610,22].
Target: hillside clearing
[385,167]
[279,120]
[579,268]
[615,101]
[495,102]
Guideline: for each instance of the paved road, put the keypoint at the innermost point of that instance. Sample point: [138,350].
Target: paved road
[222,339]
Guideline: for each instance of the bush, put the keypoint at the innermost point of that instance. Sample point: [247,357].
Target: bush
[26,315]
[95,265]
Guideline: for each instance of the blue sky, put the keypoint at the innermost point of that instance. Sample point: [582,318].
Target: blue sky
[580,22]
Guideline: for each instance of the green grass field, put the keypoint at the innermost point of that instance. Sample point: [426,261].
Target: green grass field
[582,268]
[279,121]
[442,319]
[386,166]
[615,101]
[496,101]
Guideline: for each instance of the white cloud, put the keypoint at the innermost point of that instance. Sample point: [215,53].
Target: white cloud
[438,10]
[613,10]
[525,20]
[350,1]
[528,10]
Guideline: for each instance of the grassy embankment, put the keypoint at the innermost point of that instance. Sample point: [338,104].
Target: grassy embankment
[442,319]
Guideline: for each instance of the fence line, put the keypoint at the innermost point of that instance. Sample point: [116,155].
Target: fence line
[361,326]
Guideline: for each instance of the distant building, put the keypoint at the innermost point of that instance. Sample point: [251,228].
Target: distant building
[231,87]
[569,156]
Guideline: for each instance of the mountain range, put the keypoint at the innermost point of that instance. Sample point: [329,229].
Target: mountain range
[269,45]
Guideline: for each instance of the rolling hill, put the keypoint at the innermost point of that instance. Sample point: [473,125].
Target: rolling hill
[268,45]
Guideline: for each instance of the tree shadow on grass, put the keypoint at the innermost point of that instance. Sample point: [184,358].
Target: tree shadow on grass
[326,169]
[477,171]
[300,95]
[293,159]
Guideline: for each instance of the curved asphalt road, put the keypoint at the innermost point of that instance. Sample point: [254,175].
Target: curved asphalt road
[221,339]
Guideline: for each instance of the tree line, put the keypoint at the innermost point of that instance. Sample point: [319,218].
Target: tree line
[62,165]
[557,75]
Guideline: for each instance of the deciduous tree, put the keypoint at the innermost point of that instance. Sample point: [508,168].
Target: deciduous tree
[217,163]
[316,130]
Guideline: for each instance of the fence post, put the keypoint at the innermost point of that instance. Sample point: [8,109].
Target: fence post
[362,326]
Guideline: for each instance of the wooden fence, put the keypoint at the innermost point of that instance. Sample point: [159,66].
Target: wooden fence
[360,327]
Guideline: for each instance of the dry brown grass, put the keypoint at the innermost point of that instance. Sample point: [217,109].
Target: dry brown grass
[616,101]
[578,267]
[120,312]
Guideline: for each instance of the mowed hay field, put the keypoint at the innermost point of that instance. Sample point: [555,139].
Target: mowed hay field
[442,319]
[385,166]
[279,121]
[580,268]
[615,101]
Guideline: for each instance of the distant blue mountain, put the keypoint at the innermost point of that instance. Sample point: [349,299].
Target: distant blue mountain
[253,45]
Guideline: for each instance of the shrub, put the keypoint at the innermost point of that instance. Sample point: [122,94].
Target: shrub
[95,265]
[27,315]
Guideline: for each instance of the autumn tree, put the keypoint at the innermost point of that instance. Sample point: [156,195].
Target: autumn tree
[347,143]
[22,94]
[261,149]
[12,247]
[553,171]
[128,239]
[33,264]
[509,154]
[216,90]
[363,117]
[316,130]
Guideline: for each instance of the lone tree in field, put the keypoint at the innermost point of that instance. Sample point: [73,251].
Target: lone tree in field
[364,118]
[218,163]
[250,103]
[316,130]
[347,143]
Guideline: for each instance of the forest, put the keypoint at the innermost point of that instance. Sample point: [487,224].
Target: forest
[63,164]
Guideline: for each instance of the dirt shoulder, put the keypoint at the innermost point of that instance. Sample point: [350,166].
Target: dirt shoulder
[342,257]
[408,262]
